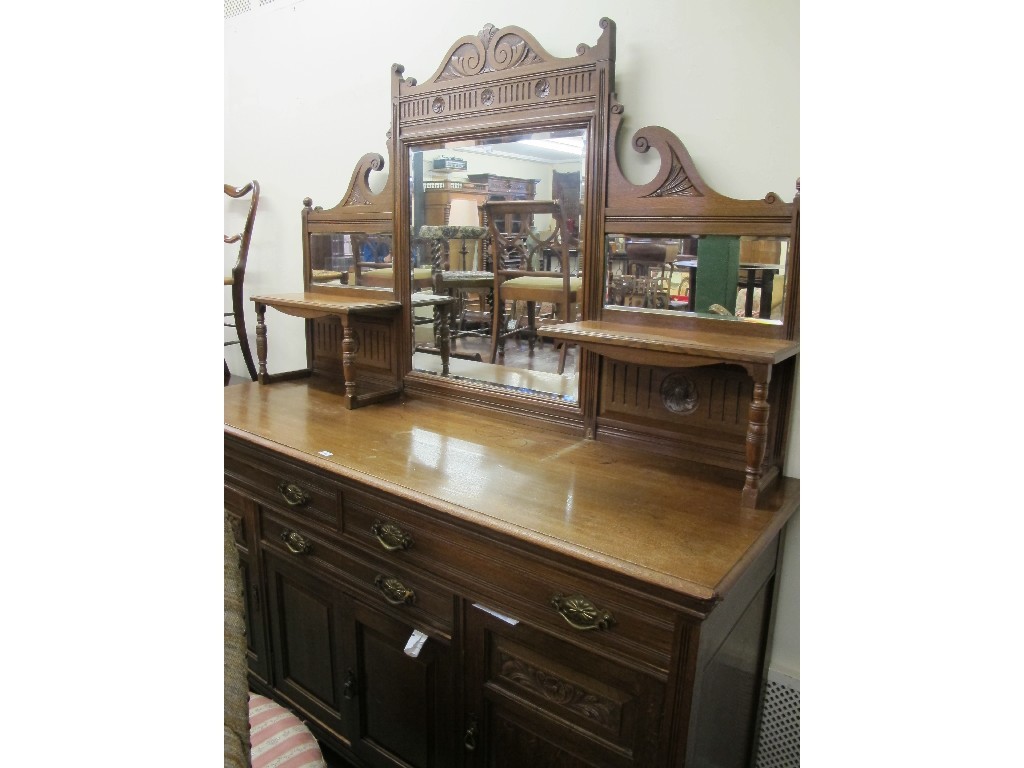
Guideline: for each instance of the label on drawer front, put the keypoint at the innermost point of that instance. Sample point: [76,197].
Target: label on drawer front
[495,614]
[415,644]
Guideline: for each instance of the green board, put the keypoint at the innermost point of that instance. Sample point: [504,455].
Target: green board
[718,272]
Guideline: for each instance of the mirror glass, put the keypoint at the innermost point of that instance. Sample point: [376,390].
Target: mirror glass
[357,258]
[725,276]
[451,254]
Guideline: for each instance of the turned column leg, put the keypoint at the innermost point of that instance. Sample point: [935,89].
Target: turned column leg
[348,361]
[445,337]
[497,329]
[261,340]
[531,324]
[757,439]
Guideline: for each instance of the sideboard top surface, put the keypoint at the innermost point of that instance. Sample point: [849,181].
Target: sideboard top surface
[647,516]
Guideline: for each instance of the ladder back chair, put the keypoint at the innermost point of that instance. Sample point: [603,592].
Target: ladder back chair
[237,277]
[518,260]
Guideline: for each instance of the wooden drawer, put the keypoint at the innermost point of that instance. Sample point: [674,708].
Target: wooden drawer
[285,485]
[398,534]
[407,593]
[528,687]
[511,581]
[588,611]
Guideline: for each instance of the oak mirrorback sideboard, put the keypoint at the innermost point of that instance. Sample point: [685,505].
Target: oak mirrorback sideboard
[491,563]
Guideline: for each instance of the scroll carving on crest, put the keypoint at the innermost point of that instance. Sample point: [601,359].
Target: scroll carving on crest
[490,51]
[359,192]
[677,183]
[677,176]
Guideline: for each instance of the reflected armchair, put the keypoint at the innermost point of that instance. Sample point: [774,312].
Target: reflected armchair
[517,259]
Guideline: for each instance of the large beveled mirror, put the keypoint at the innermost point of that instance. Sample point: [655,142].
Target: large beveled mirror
[453,254]
[495,209]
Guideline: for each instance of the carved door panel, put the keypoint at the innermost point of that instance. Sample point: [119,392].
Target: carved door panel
[404,703]
[314,667]
[535,700]
[241,513]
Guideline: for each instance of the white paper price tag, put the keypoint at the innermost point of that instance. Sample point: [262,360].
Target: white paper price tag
[415,644]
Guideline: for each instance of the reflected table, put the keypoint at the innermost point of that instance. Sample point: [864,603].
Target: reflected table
[751,276]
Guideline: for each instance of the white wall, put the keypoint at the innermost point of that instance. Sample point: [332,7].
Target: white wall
[307,93]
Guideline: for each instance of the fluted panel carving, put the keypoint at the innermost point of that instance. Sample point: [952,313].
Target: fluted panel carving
[721,395]
[699,413]
[373,342]
[576,84]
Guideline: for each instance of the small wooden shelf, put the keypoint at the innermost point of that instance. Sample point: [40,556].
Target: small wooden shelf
[345,307]
[673,347]
[686,348]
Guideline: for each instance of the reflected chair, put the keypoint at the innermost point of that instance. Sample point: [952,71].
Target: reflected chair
[237,277]
[373,264]
[456,253]
[527,281]
[650,268]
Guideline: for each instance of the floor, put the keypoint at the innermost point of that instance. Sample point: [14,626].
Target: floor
[517,369]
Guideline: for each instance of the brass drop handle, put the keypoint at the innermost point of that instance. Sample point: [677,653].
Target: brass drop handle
[469,740]
[294,495]
[390,536]
[580,613]
[394,591]
[296,542]
[349,689]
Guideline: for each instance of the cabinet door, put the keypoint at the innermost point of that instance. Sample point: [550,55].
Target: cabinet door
[314,666]
[404,707]
[535,700]
[241,512]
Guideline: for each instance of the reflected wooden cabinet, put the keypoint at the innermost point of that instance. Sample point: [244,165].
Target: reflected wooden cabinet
[507,188]
[531,654]
[440,195]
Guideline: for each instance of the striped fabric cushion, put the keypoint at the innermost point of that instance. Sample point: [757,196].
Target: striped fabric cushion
[279,739]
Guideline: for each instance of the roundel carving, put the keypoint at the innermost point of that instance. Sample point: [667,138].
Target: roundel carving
[679,394]
[487,97]
[541,88]
[437,105]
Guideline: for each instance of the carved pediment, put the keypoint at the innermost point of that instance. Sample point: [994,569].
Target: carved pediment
[492,50]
